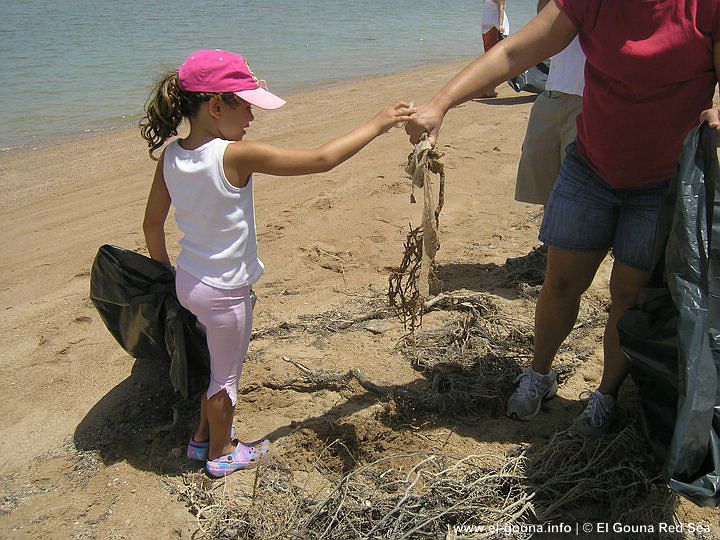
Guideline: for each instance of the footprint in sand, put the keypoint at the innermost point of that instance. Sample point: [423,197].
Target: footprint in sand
[329,257]
[322,203]
[273,231]
[399,187]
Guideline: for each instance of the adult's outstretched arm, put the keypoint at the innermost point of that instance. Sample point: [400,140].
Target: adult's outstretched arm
[545,35]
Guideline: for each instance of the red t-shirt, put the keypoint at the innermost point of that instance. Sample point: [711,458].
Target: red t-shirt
[648,75]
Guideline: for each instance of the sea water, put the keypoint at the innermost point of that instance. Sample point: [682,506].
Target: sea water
[72,66]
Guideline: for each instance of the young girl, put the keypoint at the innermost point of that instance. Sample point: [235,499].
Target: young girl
[208,177]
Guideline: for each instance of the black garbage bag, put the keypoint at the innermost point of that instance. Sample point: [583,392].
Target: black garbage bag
[532,80]
[135,297]
[672,336]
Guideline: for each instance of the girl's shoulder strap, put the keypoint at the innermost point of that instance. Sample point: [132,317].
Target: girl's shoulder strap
[222,144]
[232,164]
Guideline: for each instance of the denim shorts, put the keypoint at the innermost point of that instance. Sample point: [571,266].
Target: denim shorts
[585,213]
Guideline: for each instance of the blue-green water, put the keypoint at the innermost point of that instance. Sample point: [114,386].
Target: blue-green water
[76,65]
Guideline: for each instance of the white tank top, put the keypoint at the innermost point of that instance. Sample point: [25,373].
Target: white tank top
[217,219]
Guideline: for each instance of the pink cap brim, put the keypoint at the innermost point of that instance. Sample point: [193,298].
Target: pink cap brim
[261,98]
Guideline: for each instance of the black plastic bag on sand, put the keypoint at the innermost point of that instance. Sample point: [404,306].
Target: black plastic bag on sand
[672,337]
[135,297]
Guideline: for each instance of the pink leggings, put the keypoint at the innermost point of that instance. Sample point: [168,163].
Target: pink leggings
[226,315]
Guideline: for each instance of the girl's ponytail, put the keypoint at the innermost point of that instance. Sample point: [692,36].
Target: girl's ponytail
[168,105]
[163,112]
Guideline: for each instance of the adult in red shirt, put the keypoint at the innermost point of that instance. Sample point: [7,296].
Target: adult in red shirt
[650,76]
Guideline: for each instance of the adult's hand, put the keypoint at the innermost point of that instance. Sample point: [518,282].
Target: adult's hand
[427,119]
[712,117]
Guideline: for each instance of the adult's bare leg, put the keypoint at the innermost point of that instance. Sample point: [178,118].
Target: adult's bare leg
[625,283]
[569,274]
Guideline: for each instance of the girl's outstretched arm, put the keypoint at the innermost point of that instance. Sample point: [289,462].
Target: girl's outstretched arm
[156,211]
[247,157]
[547,34]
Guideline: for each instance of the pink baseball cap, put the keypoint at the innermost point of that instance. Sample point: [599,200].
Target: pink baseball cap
[221,71]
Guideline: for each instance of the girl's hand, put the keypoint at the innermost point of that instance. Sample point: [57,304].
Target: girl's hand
[712,117]
[391,116]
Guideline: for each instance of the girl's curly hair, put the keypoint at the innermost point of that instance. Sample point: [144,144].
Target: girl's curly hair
[168,105]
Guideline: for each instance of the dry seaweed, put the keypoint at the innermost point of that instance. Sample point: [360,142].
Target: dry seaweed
[430,495]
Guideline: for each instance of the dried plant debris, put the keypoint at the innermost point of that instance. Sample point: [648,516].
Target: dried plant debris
[331,322]
[470,364]
[416,279]
[337,477]
[324,324]
[528,269]
[403,284]
[430,495]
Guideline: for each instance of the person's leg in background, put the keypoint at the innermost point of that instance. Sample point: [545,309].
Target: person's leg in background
[490,39]
[540,161]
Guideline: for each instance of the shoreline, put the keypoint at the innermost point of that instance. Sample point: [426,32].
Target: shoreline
[129,121]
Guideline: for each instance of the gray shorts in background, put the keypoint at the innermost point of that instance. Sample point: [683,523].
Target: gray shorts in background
[585,213]
[551,127]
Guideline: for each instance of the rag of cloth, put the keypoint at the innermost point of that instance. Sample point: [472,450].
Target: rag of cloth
[424,161]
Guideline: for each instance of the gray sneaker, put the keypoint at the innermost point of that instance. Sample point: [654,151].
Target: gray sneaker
[525,402]
[597,417]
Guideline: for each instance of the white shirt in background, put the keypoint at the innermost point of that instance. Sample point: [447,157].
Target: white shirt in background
[567,70]
[490,18]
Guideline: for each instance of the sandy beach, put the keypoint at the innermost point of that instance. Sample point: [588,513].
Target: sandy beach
[82,453]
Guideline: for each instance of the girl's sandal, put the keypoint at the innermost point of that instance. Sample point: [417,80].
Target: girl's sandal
[199,450]
[243,457]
